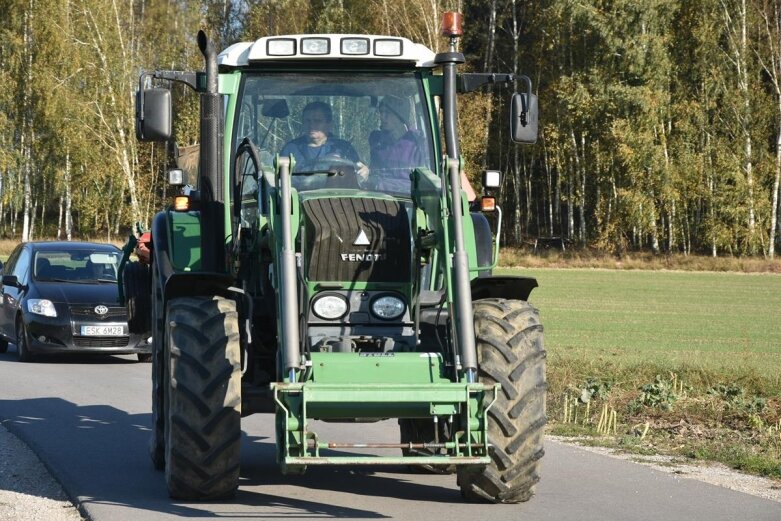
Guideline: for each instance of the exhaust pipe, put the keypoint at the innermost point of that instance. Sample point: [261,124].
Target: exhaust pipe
[211,185]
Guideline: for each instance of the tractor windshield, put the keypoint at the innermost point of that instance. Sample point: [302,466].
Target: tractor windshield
[344,130]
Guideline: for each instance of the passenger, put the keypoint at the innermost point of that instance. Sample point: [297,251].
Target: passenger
[395,149]
[316,144]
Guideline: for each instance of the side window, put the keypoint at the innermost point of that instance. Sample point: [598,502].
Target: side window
[22,266]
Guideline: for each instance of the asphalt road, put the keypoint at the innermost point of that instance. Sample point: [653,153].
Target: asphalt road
[88,419]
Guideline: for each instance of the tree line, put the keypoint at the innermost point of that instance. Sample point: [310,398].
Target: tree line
[660,119]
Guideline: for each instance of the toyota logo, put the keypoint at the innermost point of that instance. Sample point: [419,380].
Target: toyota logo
[101,310]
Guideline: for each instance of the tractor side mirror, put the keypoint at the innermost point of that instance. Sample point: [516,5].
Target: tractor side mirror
[524,115]
[153,114]
[524,118]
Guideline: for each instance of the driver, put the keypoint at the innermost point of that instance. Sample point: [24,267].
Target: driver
[316,144]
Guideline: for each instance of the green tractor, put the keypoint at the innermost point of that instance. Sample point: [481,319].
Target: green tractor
[318,270]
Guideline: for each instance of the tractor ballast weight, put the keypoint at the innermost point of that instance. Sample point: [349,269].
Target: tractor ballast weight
[314,286]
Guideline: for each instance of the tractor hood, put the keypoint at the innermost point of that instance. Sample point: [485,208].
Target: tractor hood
[357,239]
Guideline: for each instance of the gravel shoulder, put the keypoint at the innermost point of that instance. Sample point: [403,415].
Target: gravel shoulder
[28,492]
[712,473]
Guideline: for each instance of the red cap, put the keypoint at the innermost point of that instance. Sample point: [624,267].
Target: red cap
[452,24]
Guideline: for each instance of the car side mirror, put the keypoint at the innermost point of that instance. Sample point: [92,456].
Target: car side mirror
[153,114]
[524,115]
[10,280]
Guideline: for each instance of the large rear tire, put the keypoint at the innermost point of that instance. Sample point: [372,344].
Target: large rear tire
[203,431]
[510,351]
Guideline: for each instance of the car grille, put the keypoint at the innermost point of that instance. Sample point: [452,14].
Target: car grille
[88,312]
[101,341]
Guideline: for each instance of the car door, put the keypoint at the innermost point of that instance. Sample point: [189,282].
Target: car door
[10,295]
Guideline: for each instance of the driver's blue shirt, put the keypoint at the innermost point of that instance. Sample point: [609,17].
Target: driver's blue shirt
[307,156]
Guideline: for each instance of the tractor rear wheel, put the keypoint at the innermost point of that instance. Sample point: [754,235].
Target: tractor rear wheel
[510,352]
[203,416]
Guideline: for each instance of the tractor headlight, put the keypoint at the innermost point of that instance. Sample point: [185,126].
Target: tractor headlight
[41,307]
[387,47]
[281,47]
[388,307]
[315,46]
[355,46]
[330,307]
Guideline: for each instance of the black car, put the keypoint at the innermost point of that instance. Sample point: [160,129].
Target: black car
[62,297]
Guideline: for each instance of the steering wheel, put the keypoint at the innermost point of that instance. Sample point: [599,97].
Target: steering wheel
[336,172]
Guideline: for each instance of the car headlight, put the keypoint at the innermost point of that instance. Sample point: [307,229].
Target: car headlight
[41,306]
[388,307]
[330,307]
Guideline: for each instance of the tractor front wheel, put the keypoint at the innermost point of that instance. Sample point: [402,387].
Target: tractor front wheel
[510,352]
[203,406]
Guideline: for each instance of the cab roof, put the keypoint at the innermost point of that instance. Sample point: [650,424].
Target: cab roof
[327,47]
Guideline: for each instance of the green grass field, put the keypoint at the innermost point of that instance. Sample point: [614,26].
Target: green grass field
[712,321]
[692,359]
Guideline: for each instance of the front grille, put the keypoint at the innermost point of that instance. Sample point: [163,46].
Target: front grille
[88,312]
[381,227]
[101,341]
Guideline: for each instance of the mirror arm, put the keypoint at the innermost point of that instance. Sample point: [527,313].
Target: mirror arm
[471,81]
[194,80]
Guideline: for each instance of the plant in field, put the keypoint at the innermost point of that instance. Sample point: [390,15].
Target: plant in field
[593,388]
[660,393]
[735,396]
[727,392]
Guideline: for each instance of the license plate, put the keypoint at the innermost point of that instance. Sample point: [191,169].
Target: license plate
[102,330]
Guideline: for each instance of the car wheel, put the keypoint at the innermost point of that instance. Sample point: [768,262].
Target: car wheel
[22,349]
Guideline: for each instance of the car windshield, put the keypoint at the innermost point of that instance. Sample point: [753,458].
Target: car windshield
[356,130]
[76,266]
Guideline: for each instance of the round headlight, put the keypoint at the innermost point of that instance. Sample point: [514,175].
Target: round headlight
[388,307]
[330,307]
